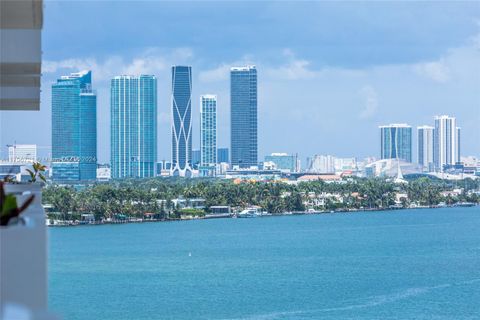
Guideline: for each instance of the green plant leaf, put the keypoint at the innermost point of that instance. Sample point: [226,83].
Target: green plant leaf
[9,204]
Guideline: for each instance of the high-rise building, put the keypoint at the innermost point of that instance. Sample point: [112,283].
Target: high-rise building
[446,142]
[133,126]
[243,113]
[208,134]
[74,128]
[196,158]
[282,161]
[425,147]
[322,164]
[458,144]
[345,164]
[222,155]
[396,142]
[22,153]
[182,120]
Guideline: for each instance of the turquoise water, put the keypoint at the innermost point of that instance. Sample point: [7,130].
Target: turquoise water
[409,264]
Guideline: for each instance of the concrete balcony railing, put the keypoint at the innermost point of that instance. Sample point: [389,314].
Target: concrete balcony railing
[23,259]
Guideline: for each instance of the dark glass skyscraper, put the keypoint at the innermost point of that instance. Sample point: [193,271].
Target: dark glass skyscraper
[74,128]
[222,155]
[243,113]
[182,120]
[133,102]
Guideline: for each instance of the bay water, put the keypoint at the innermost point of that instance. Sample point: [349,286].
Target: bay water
[404,264]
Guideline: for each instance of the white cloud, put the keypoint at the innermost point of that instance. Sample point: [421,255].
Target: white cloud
[294,69]
[221,73]
[150,61]
[370,97]
[217,74]
[437,71]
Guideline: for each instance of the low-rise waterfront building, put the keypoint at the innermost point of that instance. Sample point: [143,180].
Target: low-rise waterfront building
[104,172]
[389,168]
[316,177]
[253,174]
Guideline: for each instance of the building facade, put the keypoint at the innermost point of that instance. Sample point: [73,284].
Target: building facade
[243,113]
[446,142]
[196,158]
[345,164]
[22,153]
[396,142]
[133,125]
[322,164]
[222,155]
[425,147]
[74,128]
[181,121]
[208,134]
[283,162]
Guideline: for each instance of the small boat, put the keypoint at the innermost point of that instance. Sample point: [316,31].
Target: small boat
[249,213]
[464,204]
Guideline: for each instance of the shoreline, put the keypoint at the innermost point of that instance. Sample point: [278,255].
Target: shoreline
[235,216]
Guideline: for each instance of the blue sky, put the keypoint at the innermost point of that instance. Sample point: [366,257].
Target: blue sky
[329,72]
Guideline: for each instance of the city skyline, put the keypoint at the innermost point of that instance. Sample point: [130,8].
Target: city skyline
[327,91]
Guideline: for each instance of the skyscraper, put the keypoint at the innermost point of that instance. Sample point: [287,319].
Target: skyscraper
[222,155]
[182,120]
[458,144]
[396,142]
[322,164]
[425,147]
[446,142]
[195,158]
[208,134]
[74,128]
[133,126]
[243,113]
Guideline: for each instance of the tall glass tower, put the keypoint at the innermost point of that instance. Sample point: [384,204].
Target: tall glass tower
[446,142]
[74,128]
[396,142]
[182,121]
[425,147]
[243,113]
[133,107]
[208,134]
[222,155]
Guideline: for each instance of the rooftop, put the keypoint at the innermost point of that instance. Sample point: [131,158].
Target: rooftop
[396,125]
[245,68]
